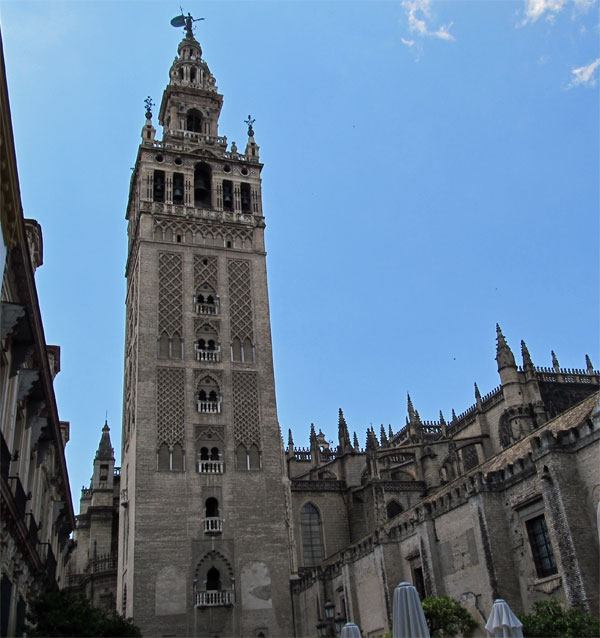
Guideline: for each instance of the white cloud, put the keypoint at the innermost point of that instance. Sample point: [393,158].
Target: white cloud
[408,43]
[585,75]
[535,9]
[418,13]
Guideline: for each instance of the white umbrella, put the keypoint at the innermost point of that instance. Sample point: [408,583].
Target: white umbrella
[409,619]
[350,630]
[502,622]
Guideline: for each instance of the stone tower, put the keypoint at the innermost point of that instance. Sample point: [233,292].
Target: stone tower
[203,538]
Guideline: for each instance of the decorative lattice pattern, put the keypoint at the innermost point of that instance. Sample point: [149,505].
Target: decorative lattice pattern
[240,300]
[205,272]
[246,417]
[131,354]
[170,294]
[170,406]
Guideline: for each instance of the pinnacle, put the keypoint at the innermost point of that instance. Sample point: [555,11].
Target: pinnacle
[525,354]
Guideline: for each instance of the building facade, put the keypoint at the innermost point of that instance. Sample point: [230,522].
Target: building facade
[501,501]
[203,542]
[36,510]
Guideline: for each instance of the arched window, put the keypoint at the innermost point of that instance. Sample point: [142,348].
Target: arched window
[236,350]
[209,397]
[194,121]
[312,542]
[248,351]
[227,195]
[214,454]
[176,346]
[245,197]
[159,186]
[164,457]
[163,346]
[393,509]
[254,458]
[204,454]
[178,192]
[241,457]
[211,507]
[470,458]
[177,457]
[202,186]
[213,579]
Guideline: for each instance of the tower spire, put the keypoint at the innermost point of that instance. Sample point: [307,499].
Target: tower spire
[555,363]
[105,451]
[504,355]
[344,444]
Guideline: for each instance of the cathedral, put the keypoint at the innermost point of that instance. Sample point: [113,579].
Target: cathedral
[212,527]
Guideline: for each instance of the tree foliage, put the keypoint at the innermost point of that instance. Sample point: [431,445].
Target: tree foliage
[550,618]
[446,617]
[63,614]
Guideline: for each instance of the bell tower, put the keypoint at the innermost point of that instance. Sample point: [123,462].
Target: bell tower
[203,538]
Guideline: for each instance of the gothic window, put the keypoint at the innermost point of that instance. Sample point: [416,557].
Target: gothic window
[194,121]
[469,457]
[312,542]
[169,347]
[245,197]
[178,188]
[159,186]
[227,195]
[241,457]
[207,346]
[177,458]
[393,509]
[236,350]
[541,546]
[202,186]
[206,301]
[254,458]
[204,454]
[176,346]
[243,352]
[247,351]
[214,454]
[193,74]
[164,457]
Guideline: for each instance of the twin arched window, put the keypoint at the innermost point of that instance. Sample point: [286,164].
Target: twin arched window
[312,540]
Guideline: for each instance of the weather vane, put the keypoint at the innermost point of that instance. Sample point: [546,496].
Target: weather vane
[250,121]
[149,104]
[185,21]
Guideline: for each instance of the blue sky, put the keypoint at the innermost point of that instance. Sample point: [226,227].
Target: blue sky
[431,168]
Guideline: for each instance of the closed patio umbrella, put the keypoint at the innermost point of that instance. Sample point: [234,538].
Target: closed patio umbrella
[350,630]
[409,619]
[502,622]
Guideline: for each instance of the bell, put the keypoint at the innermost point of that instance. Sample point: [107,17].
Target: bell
[227,199]
[178,192]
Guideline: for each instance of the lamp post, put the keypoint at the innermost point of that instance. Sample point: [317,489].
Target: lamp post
[333,623]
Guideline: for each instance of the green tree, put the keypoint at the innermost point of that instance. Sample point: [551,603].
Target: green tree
[446,617]
[550,618]
[62,614]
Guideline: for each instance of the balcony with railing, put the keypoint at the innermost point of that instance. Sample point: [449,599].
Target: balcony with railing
[206,305]
[210,467]
[213,525]
[216,598]
[47,556]
[209,407]
[204,354]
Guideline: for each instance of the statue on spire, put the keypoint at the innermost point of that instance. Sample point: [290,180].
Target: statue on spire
[185,21]
[149,104]
[250,121]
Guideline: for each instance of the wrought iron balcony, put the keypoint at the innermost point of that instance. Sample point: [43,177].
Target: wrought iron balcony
[209,407]
[210,467]
[215,598]
[213,525]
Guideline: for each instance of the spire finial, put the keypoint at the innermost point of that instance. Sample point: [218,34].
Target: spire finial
[504,355]
[356,443]
[555,363]
[477,393]
[290,439]
[383,437]
[185,21]
[149,104]
[411,409]
[250,121]
[442,420]
[588,363]
[525,354]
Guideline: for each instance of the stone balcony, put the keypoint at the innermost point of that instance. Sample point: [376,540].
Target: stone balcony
[215,598]
[210,467]
[209,407]
[208,355]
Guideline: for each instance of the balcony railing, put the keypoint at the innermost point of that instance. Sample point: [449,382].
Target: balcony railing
[102,563]
[209,407]
[210,467]
[207,308]
[207,355]
[213,525]
[214,598]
